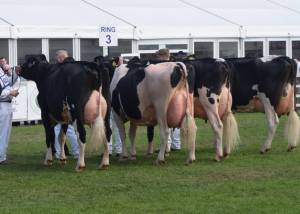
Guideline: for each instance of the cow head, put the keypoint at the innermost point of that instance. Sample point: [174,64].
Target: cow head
[109,63]
[30,68]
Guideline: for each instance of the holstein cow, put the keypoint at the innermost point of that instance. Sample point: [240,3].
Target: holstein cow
[155,94]
[109,63]
[72,93]
[267,87]
[212,101]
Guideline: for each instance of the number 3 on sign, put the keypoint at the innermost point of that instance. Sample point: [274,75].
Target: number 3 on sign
[108,39]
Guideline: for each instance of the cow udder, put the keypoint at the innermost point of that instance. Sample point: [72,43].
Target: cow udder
[91,109]
[177,109]
[286,103]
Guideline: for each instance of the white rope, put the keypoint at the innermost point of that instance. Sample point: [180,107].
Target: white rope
[109,13]
[17,84]
[283,6]
[7,22]
[211,13]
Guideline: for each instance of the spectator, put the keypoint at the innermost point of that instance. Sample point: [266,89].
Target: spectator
[174,143]
[8,77]
[61,57]
[118,143]
[163,54]
[3,62]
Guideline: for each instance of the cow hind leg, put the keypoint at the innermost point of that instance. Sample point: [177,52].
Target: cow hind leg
[62,139]
[105,159]
[272,121]
[164,134]
[49,131]
[150,136]
[49,157]
[132,134]
[292,130]
[272,126]
[81,135]
[211,107]
[217,127]
[188,132]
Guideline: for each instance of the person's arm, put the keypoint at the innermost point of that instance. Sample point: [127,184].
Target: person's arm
[8,91]
[5,93]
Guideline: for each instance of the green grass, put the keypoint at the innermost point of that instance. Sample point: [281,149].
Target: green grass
[247,182]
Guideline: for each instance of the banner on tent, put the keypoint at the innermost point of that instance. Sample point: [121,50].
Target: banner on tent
[108,36]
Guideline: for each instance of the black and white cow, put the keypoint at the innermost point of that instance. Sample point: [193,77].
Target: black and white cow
[212,101]
[150,95]
[72,93]
[109,63]
[267,86]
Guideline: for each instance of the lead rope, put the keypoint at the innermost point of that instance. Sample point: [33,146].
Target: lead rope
[18,81]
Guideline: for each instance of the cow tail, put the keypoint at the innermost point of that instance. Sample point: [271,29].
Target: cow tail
[292,126]
[231,137]
[98,136]
[188,127]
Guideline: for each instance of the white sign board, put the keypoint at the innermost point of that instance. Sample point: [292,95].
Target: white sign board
[108,36]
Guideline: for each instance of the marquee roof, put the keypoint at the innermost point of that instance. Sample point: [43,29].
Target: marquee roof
[155,19]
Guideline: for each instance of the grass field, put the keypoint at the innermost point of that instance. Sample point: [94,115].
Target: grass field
[247,182]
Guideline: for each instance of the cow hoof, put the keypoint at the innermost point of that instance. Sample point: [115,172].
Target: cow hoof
[104,166]
[123,158]
[63,162]
[133,157]
[218,158]
[48,163]
[149,155]
[167,154]
[265,151]
[160,162]
[291,148]
[189,162]
[226,155]
[80,168]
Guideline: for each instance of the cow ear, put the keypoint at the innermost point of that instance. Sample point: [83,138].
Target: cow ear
[30,64]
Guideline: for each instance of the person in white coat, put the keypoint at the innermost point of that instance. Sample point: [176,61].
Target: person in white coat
[116,136]
[8,77]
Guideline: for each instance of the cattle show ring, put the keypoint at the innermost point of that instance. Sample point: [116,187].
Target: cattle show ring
[175,106]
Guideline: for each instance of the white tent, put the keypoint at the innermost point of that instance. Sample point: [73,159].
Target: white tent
[214,28]
[154,19]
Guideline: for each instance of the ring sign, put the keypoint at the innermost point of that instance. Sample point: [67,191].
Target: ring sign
[108,36]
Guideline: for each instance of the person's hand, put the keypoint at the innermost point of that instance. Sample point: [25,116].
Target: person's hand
[7,68]
[14,93]
[18,70]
